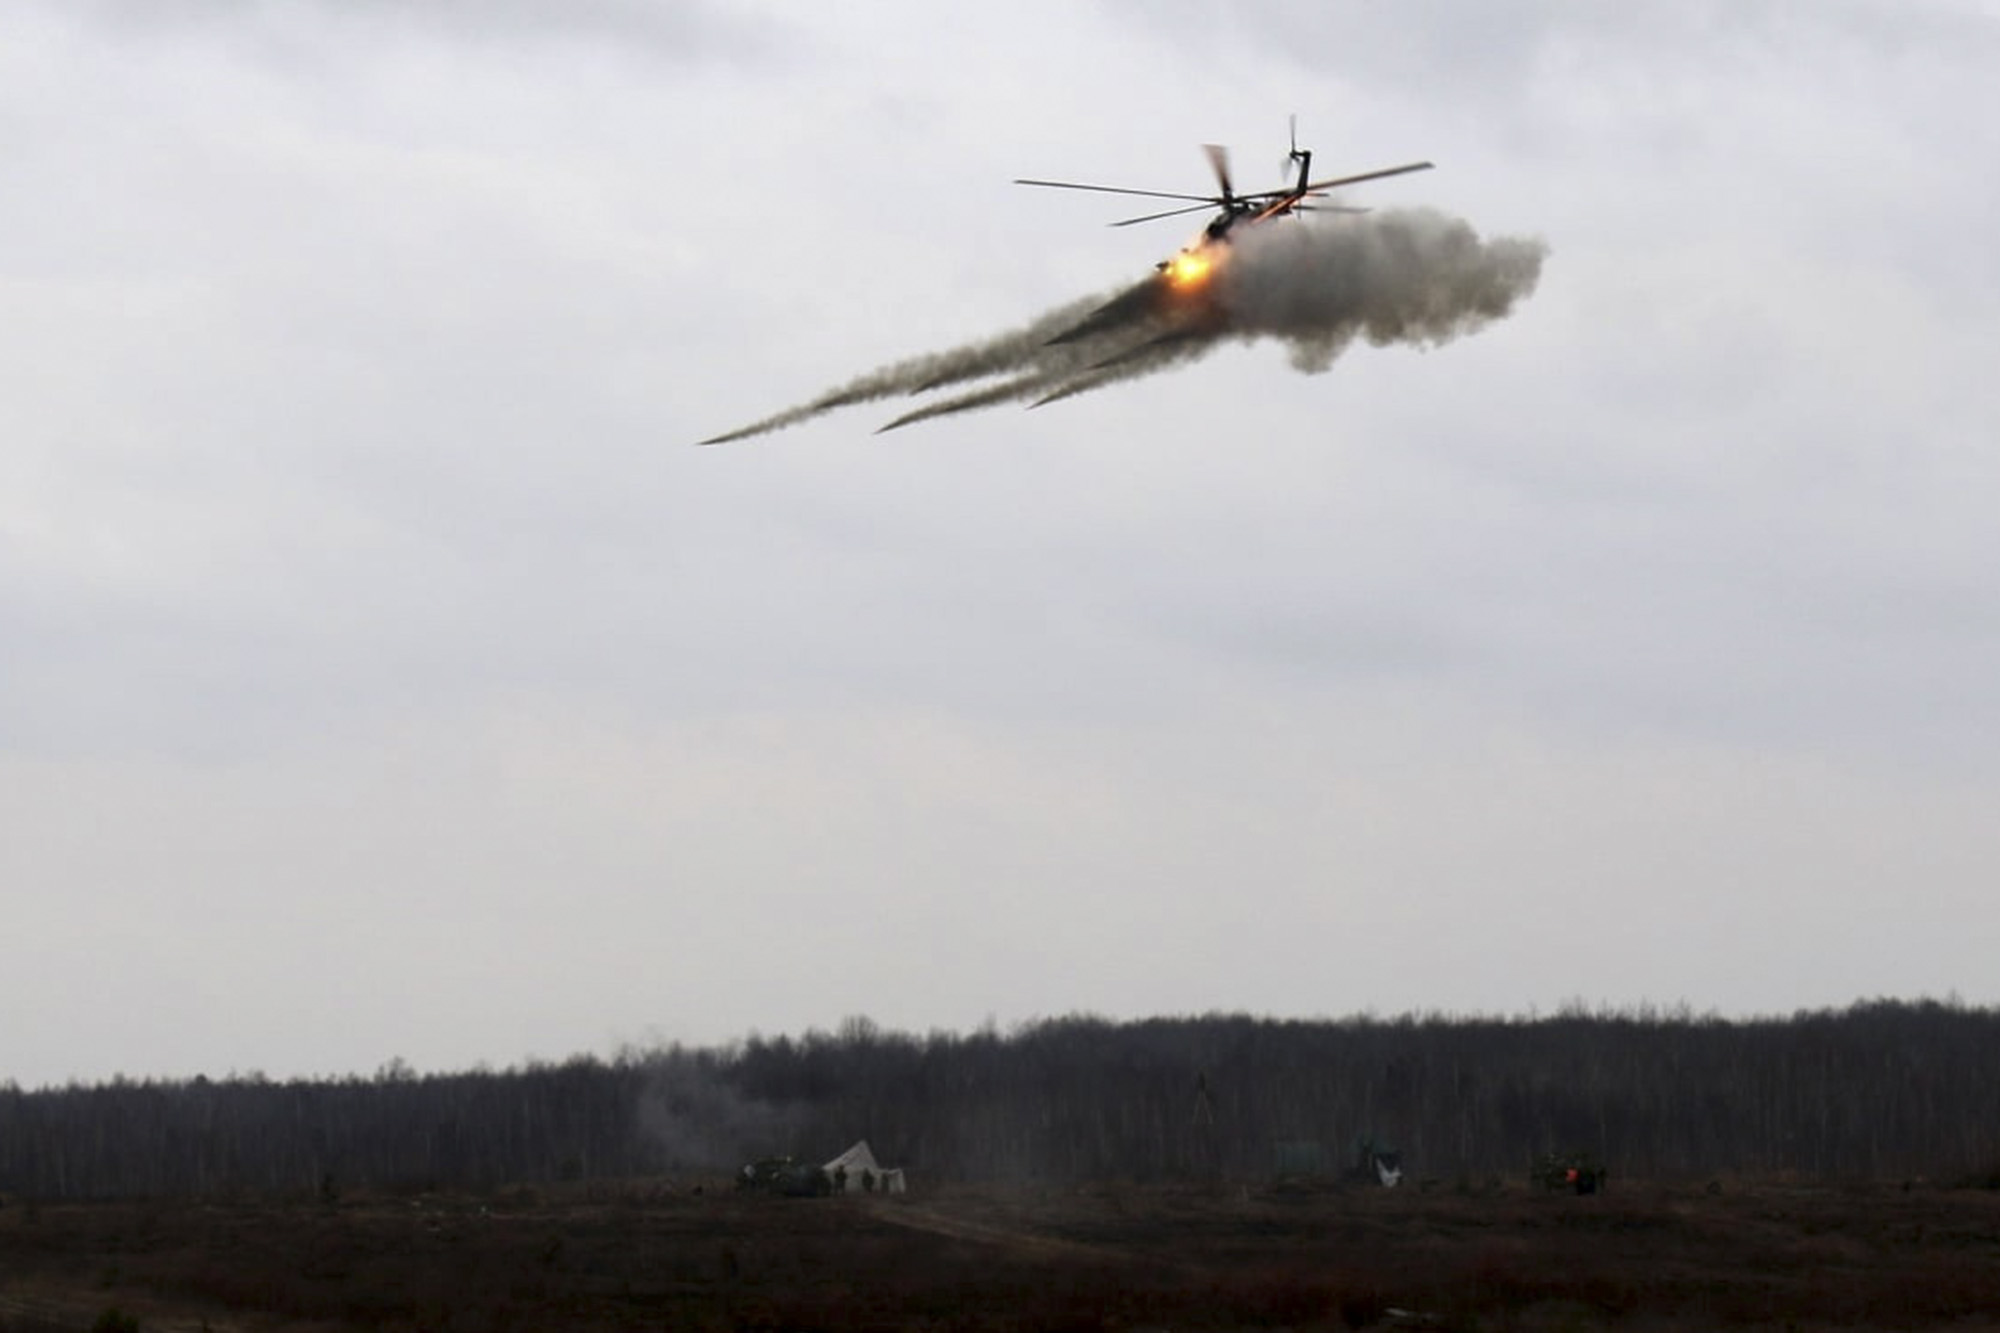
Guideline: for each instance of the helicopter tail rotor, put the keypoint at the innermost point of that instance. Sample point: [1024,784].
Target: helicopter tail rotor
[1297,156]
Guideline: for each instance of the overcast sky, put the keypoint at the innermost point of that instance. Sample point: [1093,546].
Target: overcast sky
[384,674]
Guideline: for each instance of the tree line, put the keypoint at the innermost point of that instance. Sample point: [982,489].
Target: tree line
[1878,1090]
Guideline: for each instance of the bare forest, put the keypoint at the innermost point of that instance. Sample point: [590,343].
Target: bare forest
[1879,1091]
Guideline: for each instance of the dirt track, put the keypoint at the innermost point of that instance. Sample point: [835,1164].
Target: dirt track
[1024,1244]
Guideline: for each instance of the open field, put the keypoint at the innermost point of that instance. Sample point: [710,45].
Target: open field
[1765,1256]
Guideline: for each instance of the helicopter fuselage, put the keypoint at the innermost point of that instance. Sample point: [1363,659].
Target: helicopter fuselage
[1218,230]
[1177,280]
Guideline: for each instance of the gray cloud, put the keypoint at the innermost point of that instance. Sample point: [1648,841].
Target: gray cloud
[354,569]
[686,30]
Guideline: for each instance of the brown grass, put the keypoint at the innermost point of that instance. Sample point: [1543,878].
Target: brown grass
[1769,1256]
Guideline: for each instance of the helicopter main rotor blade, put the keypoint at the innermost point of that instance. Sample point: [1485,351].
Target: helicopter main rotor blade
[1202,207]
[1218,158]
[1113,189]
[1368,176]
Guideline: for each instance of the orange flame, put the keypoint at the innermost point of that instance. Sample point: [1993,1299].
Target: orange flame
[1189,268]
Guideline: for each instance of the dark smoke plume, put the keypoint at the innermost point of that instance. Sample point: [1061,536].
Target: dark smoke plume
[1404,276]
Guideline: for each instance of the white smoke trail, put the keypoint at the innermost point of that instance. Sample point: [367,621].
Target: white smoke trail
[1405,276]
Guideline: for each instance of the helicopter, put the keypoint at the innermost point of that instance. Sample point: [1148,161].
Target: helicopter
[1194,259]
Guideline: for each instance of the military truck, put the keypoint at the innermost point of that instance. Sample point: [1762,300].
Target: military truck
[786,1176]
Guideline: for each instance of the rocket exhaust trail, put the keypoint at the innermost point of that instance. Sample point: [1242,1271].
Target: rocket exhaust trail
[1151,345]
[1147,358]
[1071,389]
[1407,276]
[998,393]
[1021,349]
[1062,363]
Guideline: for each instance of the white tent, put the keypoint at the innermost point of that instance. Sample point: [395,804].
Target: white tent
[856,1171]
